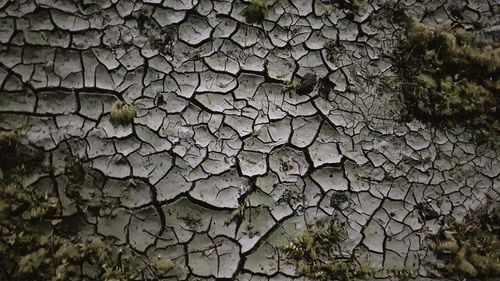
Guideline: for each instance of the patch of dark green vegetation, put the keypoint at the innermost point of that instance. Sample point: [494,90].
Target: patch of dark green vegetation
[38,243]
[256,11]
[307,84]
[16,158]
[450,77]
[325,86]
[318,254]
[470,249]
[122,114]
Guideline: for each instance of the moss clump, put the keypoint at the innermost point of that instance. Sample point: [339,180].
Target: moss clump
[307,84]
[318,254]
[256,11]
[37,243]
[16,158]
[122,114]
[471,248]
[9,137]
[450,78]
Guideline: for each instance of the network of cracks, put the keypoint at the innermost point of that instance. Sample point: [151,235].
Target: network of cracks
[244,133]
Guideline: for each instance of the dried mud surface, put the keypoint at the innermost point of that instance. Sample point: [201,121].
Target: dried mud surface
[225,161]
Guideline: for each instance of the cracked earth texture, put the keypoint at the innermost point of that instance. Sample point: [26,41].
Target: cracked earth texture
[224,154]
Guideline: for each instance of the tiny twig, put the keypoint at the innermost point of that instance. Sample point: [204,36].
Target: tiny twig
[199,250]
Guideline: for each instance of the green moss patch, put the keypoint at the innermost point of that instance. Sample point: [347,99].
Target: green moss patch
[449,77]
[17,158]
[256,11]
[471,248]
[317,253]
[122,114]
[38,243]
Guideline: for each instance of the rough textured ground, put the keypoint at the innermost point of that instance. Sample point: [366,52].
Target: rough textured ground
[225,160]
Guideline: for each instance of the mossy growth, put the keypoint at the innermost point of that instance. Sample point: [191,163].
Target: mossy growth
[15,157]
[318,254]
[256,11]
[38,243]
[470,248]
[122,114]
[9,137]
[449,77]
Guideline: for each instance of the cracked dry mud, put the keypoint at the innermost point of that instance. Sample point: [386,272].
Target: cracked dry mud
[223,153]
